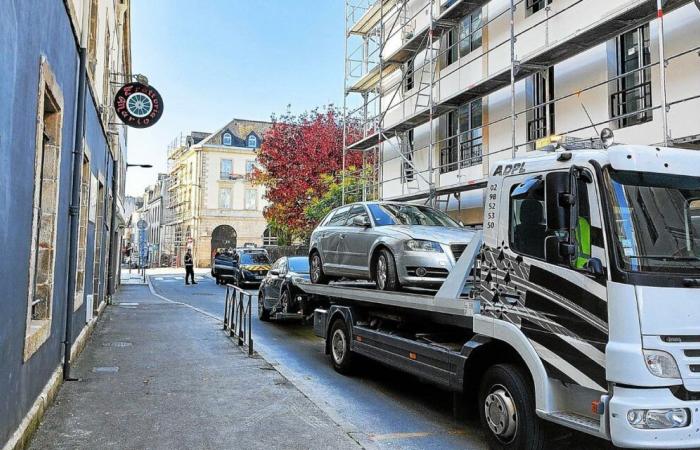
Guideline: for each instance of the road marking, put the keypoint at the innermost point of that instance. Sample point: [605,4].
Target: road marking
[394,436]
[153,291]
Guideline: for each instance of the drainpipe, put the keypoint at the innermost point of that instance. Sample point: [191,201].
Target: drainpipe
[74,209]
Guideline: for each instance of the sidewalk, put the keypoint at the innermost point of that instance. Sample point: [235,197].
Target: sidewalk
[158,375]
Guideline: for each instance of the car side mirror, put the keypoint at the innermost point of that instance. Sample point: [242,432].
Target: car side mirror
[594,266]
[361,221]
[461,224]
[274,272]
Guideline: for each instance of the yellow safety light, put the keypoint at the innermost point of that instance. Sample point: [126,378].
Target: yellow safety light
[548,140]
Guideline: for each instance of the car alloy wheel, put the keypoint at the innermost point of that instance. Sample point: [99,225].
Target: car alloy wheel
[381,272]
[315,268]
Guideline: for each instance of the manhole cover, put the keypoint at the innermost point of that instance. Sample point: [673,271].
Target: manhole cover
[105,369]
[117,344]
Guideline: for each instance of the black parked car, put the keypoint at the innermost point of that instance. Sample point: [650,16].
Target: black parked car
[279,291]
[222,266]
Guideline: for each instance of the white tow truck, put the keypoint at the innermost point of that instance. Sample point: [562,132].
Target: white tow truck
[578,303]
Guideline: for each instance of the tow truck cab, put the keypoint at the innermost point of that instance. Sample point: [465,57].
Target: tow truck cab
[590,269]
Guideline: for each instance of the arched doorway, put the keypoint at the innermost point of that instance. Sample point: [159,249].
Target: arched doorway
[223,236]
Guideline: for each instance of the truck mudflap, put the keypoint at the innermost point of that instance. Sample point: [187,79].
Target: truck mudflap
[624,434]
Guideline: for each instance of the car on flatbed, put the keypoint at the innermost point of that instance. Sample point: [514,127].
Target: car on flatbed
[394,244]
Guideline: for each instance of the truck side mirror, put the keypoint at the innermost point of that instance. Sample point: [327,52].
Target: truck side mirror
[559,201]
[595,267]
[551,250]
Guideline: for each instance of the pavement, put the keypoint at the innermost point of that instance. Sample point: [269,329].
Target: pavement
[160,375]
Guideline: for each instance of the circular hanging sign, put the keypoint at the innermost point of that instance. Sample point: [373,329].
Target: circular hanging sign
[141,224]
[138,105]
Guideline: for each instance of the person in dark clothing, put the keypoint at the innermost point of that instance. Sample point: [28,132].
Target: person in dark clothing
[189,267]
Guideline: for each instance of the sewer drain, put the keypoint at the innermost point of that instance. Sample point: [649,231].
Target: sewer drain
[117,344]
[105,369]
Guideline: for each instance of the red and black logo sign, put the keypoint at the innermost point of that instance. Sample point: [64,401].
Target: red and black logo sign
[138,105]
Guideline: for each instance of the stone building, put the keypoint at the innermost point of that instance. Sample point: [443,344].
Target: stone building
[61,62]
[212,200]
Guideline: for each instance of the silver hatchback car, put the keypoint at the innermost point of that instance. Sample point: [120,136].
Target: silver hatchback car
[394,244]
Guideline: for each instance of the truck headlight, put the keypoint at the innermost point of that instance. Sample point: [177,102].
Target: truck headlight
[661,364]
[656,419]
[419,245]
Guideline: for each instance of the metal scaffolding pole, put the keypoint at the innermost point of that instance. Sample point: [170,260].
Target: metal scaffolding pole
[662,71]
[345,109]
[512,74]
[431,184]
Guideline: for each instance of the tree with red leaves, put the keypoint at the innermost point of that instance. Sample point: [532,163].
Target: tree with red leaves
[296,152]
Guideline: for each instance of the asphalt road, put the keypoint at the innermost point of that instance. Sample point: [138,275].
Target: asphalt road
[379,407]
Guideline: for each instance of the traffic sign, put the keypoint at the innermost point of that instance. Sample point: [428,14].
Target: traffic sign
[142,224]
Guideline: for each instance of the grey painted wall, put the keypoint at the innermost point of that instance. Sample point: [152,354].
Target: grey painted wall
[29,29]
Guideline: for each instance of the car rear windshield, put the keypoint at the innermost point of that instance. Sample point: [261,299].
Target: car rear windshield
[254,258]
[299,265]
[407,214]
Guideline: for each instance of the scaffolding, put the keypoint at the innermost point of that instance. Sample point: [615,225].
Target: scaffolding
[395,53]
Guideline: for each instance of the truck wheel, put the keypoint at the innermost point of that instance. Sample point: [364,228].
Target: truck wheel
[341,356]
[263,314]
[385,270]
[317,275]
[507,410]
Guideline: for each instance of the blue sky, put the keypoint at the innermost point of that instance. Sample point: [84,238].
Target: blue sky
[213,60]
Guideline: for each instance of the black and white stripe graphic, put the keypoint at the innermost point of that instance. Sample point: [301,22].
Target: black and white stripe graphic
[566,323]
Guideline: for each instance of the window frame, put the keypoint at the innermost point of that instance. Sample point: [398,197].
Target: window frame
[246,192]
[222,174]
[254,141]
[230,198]
[475,27]
[48,144]
[227,136]
[642,80]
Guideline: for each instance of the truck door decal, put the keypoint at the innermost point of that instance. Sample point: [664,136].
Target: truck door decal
[565,323]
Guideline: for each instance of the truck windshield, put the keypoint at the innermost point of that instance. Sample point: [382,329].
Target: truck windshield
[656,221]
[407,214]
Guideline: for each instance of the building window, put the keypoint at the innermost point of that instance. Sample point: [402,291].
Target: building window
[539,90]
[249,167]
[448,149]
[47,158]
[252,141]
[82,235]
[251,199]
[92,39]
[226,169]
[532,6]
[268,237]
[633,88]
[410,74]
[470,33]
[225,198]
[451,48]
[407,168]
[227,139]
[470,137]
[99,244]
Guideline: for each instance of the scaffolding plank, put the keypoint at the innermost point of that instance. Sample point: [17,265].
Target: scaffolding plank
[371,18]
[370,80]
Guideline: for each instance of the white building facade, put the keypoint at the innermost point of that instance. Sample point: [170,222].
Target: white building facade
[428,82]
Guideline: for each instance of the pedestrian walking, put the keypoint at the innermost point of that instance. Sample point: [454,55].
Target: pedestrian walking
[189,267]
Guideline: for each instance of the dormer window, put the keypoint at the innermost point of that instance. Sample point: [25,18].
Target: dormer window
[252,141]
[227,139]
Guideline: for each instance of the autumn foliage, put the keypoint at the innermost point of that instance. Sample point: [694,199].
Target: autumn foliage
[296,153]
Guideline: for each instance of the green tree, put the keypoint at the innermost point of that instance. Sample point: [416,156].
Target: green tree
[355,182]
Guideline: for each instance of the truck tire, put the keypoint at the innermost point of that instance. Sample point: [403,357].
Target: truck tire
[507,410]
[341,356]
[317,275]
[385,272]
[263,314]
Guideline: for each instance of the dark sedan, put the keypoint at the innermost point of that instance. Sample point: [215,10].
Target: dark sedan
[279,290]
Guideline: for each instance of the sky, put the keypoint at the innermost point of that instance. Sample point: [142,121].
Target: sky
[213,60]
